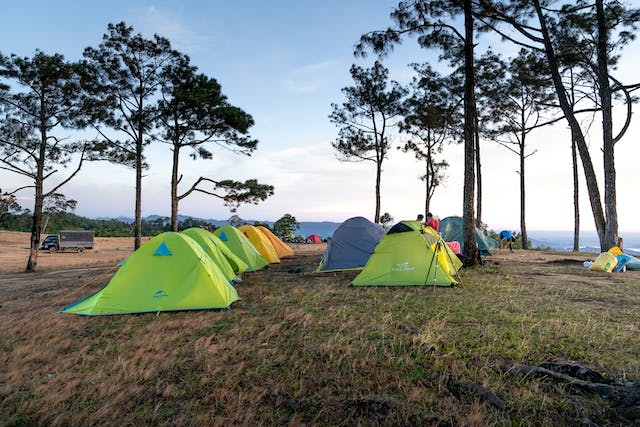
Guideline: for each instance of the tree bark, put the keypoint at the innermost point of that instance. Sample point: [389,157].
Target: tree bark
[470,253]
[479,173]
[523,224]
[427,200]
[35,231]
[378,179]
[174,188]
[610,237]
[36,226]
[576,199]
[138,209]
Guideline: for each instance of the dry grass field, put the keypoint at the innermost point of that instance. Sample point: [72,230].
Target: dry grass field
[532,338]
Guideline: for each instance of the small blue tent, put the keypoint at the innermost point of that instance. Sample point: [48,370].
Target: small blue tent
[351,245]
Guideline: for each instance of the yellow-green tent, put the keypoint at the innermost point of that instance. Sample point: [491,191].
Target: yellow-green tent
[410,255]
[241,246]
[282,249]
[168,273]
[202,237]
[261,243]
[238,265]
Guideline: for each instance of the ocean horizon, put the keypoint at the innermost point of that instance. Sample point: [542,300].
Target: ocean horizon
[589,242]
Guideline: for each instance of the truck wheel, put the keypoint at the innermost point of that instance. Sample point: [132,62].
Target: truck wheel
[79,250]
[52,249]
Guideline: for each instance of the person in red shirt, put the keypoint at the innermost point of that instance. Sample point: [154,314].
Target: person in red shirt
[433,222]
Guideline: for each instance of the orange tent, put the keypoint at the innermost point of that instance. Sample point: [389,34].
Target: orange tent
[282,249]
[260,242]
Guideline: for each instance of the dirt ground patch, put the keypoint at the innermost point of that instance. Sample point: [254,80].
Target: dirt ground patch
[14,252]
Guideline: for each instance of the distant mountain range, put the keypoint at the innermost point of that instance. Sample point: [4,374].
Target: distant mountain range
[323,229]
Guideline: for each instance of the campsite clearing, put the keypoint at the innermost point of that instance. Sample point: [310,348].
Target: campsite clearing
[305,348]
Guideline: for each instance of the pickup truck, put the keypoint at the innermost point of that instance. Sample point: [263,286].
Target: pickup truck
[68,241]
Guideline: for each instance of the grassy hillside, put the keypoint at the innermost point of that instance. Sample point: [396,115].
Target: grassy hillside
[305,348]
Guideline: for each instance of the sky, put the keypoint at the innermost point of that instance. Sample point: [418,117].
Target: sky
[284,62]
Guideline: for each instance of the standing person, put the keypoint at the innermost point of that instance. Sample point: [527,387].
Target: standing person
[507,239]
[420,218]
[433,222]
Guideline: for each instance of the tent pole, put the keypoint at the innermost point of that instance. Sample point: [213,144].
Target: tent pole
[426,279]
[451,261]
[435,270]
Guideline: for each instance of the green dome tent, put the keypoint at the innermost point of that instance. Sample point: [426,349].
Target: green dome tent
[238,265]
[170,272]
[410,255]
[451,230]
[241,246]
[202,237]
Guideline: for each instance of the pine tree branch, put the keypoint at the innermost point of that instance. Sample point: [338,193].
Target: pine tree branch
[82,159]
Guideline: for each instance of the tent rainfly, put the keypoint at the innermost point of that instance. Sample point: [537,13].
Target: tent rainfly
[351,245]
[170,272]
[203,238]
[261,243]
[282,249]
[410,255]
[241,247]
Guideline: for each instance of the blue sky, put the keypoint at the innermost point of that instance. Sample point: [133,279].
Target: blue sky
[285,62]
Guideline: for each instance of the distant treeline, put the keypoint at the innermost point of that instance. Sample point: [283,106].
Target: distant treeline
[101,227]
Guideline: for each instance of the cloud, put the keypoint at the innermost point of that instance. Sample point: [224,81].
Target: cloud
[153,20]
[309,78]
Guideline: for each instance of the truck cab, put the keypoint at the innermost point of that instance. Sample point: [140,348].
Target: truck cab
[50,243]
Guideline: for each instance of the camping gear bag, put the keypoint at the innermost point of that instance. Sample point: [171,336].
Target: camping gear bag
[606,261]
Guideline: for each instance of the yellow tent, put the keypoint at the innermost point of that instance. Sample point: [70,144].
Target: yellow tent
[260,242]
[282,249]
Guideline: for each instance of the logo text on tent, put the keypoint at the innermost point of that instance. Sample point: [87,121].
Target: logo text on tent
[159,294]
[402,266]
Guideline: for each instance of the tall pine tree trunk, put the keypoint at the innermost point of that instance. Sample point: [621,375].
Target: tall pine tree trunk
[576,199]
[138,209]
[35,230]
[427,196]
[36,225]
[174,188]
[470,253]
[523,224]
[378,179]
[587,165]
[478,175]
[610,237]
